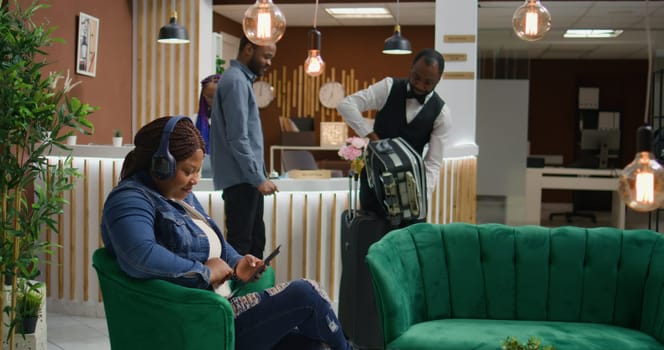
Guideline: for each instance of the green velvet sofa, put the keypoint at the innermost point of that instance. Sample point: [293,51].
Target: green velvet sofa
[156,314]
[462,286]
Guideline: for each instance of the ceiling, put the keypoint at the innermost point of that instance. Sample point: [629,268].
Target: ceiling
[495,36]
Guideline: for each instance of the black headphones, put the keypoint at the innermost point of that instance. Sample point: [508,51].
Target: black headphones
[163,163]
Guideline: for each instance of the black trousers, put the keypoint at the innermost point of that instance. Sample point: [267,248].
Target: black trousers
[243,206]
[369,201]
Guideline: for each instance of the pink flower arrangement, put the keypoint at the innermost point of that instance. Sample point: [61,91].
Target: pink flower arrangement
[353,150]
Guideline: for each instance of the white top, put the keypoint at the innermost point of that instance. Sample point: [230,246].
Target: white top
[223,289]
[374,97]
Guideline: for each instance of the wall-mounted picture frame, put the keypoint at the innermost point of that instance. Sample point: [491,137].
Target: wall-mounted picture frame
[87,48]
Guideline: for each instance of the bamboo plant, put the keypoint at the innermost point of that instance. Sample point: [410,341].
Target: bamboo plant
[37,114]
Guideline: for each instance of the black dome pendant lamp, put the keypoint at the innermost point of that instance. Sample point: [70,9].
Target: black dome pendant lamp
[173,33]
[397,44]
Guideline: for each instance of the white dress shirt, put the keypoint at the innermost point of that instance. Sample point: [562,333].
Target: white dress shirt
[374,97]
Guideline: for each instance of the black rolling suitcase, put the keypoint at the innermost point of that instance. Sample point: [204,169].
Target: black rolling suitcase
[357,308]
[395,171]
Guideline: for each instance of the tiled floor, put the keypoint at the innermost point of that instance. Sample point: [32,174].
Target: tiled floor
[76,333]
[80,333]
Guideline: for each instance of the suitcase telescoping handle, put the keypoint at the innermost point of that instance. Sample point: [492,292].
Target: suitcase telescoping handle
[354,186]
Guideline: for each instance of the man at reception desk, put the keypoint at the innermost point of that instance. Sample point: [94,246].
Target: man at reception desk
[236,148]
[407,108]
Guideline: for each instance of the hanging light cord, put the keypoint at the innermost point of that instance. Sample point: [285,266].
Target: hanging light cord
[649,78]
[315,13]
[398,12]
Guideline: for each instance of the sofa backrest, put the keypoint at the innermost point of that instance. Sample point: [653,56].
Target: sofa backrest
[494,271]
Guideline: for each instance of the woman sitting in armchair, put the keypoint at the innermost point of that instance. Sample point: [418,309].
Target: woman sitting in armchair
[156,228]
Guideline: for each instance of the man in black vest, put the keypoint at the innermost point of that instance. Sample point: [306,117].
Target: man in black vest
[407,108]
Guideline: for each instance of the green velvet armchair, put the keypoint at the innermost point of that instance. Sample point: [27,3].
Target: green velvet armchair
[156,314]
[462,286]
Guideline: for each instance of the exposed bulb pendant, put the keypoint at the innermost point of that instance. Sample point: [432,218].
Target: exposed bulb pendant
[173,33]
[531,23]
[263,31]
[314,65]
[264,23]
[642,181]
[531,20]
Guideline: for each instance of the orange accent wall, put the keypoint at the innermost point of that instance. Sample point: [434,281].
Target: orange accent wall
[110,89]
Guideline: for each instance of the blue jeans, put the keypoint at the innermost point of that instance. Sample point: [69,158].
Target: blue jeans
[298,314]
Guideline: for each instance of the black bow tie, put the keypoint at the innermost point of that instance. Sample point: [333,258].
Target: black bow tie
[419,98]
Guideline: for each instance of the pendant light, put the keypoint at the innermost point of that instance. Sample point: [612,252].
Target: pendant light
[642,181]
[173,33]
[531,20]
[264,23]
[314,65]
[397,44]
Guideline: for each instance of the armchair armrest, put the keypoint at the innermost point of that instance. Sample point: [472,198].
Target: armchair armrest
[156,314]
[393,301]
[652,311]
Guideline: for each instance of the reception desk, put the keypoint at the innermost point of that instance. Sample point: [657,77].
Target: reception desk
[304,217]
[538,179]
[282,148]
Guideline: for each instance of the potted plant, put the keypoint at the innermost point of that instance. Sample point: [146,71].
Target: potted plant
[71,140]
[28,307]
[34,104]
[117,138]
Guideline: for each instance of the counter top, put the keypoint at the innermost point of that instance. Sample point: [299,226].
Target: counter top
[292,185]
[94,151]
[205,184]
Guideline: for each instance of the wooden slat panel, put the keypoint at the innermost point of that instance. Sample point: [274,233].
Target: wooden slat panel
[86,228]
[61,243]
[332,246]
[305,235]
[311,238]
[72,240]
[101,194]
[141,32]
[290,238]
[166,75]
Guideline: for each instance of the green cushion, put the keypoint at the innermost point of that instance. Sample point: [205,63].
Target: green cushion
[493,271]
[266,281]
[155,314]
[476,334]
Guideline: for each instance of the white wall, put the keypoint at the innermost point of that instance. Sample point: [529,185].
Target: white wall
[502,136]
[458,17]
[206,55]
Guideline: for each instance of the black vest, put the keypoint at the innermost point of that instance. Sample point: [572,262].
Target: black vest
[390,121]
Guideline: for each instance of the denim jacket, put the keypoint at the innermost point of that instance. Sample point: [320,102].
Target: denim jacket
[153,237]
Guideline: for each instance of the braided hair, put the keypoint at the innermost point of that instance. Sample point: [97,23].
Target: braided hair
[204,114]
[183,142]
